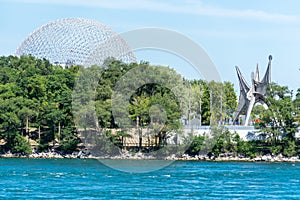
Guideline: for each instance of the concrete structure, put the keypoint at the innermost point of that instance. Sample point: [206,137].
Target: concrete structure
[246,133]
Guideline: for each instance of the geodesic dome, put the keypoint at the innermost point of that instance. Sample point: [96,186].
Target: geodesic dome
[75,41]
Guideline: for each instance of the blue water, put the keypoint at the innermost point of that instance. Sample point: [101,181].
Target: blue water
[89,179]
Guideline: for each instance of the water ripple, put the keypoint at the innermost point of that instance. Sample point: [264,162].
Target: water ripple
[89,179]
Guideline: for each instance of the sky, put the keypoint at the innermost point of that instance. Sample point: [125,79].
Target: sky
[232,32]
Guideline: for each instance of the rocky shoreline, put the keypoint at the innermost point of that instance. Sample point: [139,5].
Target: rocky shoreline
[264,158]
[140,156]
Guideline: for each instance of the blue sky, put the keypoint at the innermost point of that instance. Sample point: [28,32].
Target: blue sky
[232,32]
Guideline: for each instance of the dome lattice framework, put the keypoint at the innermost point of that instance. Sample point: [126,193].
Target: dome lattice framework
[75,41]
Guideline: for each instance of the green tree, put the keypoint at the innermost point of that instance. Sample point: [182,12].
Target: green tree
[279,120]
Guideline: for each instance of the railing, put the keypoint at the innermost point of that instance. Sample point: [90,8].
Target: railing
[230,127]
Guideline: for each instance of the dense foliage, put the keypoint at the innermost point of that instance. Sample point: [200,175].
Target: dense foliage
[34,93]
[38,101]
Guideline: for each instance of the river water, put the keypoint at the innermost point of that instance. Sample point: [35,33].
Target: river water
[90,179]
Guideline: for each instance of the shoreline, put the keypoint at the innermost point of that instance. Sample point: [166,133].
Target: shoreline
[185,157]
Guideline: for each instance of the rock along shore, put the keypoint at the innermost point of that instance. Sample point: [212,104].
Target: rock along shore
[264,158]
[140,156]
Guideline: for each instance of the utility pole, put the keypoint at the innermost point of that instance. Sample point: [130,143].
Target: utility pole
[189,109]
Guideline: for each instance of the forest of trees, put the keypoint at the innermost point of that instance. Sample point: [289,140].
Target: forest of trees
[52,105]
[36,94]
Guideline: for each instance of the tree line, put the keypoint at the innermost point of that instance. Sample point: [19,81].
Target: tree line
[53,106]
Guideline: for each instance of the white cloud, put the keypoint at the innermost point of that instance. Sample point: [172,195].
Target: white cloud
[184,7]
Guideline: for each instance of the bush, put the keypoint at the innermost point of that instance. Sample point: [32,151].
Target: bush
[275,149]
[43,147]
[69,141]
[289,148]
[196,145]
[21,145]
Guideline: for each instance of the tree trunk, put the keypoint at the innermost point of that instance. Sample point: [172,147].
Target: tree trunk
[139,132]
[27,127]
[122,142]
[54,127]
[140,139]
[39,134]
[58,132]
